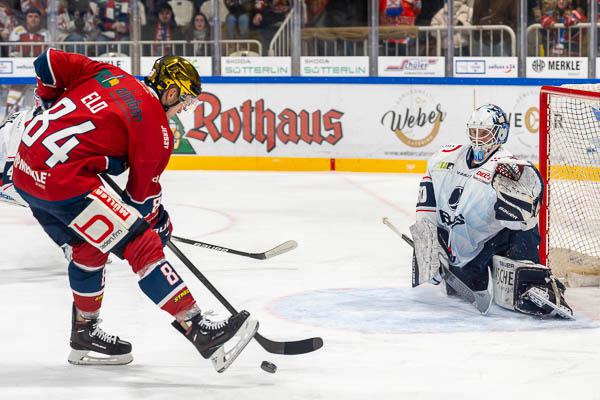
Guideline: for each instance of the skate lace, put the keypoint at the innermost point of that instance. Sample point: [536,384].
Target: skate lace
[210,325]
[100,334]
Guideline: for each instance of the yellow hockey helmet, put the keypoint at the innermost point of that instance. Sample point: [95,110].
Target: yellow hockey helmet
[174,70]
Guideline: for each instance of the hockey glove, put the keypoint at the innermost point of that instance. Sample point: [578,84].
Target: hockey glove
[162,225]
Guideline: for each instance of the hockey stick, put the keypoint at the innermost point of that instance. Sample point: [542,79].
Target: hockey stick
[285,348]
[275,251]
[482,300]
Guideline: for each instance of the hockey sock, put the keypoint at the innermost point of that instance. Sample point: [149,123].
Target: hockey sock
[87,284]
[161,283]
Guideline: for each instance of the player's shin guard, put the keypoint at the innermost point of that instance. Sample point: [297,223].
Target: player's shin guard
[161,283]
[87,284]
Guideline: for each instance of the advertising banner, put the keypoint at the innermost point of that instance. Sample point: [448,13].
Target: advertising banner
[557,67]
[256,66]
[334,66]
[17,67]
[352,121]
[486,67]
[411,66]
[22,67]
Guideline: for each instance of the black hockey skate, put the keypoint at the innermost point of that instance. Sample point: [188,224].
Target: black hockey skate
[209,337]
[87,338]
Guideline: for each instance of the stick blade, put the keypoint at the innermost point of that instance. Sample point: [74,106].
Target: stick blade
[282,248]
[290,348]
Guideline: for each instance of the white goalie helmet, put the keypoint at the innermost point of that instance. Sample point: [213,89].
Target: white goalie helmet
[487,129]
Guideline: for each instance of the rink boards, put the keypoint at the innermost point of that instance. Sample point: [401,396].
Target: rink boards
[343,124]
[368,125]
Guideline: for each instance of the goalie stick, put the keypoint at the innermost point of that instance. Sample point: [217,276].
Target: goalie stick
[482,300]
[275,251]
[284,348]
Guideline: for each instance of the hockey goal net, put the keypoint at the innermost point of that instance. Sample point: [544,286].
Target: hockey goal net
[570,165]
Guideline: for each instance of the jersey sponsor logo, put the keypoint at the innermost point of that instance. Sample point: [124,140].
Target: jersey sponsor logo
[39,177]
[443,165]
[99,230]
[131,103]
[111,203]
[483,176]
[449,148]
[104,222]
[181,295]
[451,222]
[455,197]
[107,79]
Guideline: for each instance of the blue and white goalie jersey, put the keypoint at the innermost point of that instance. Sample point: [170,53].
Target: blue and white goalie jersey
[11,131]
[464,205]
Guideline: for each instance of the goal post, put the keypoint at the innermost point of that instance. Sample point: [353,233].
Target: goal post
[569,157]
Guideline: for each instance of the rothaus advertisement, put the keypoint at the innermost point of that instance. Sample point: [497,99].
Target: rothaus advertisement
[393,122]
[352,121]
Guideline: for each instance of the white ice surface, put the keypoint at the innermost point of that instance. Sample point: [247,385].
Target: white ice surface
[348,281]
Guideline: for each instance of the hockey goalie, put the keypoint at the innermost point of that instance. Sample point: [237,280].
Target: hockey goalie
[476,227]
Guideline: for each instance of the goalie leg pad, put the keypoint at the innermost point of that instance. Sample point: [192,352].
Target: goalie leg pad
[519,286]
[426,254]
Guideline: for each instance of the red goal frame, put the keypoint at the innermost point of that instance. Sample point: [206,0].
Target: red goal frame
[544,149]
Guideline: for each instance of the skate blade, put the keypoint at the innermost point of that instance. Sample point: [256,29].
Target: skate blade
[221,359]
[541,299]
[87,357]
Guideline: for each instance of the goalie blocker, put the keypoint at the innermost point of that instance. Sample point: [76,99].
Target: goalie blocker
[529,288]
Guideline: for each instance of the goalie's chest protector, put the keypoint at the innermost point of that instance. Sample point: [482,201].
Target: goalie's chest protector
[465,202]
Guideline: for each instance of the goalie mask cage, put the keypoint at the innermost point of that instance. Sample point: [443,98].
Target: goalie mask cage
[569,158]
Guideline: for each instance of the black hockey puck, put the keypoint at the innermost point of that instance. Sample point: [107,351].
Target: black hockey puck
[269,367]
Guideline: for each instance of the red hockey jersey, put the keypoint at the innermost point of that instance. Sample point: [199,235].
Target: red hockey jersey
[100,111]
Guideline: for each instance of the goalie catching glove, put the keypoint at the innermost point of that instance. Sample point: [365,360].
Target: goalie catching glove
[519,189]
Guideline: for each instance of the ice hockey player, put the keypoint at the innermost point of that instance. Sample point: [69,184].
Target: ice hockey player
[100,113]
[477,212]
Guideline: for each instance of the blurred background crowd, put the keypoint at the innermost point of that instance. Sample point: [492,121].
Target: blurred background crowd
[263,27]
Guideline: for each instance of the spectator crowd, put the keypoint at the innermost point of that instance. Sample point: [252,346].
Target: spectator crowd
[26,22]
